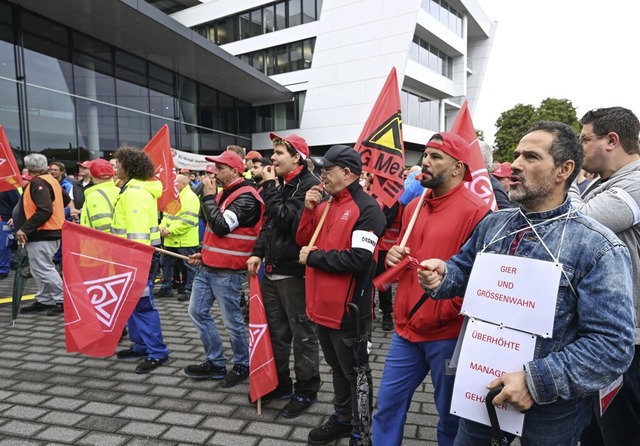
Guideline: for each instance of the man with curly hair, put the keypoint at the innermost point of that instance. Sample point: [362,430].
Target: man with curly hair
[135,217]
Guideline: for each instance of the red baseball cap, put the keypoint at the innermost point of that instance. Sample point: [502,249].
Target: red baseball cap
[102,169]
[298,143]
[211,168]
[503,171]
[185,170]
[253,154]
[455,146]
[229,158]
[85,164]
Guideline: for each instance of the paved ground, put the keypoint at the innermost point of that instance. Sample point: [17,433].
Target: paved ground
[49,397]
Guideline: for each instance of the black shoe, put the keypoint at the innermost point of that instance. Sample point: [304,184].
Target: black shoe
[387,322]
[150,364]
[129,354]
[55,310]
[330,431]
[176,284]
[297,405]
[205,370]
[238,374]
[35,307]
[165,293]
[275,394]
[356,440]
[180,289]
[184,297]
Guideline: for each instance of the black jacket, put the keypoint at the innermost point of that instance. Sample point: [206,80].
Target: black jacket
[245,206]
[283,206]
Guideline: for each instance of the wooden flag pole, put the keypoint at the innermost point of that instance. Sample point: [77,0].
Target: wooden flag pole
[316,233]
[414,217]
[174,254]
[259,406]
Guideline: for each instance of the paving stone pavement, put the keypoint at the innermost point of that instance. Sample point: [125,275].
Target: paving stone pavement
[50,397]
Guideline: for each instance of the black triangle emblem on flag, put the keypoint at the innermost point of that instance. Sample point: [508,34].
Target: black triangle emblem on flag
[387,136]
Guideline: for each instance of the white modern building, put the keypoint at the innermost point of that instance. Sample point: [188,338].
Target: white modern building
[335,55]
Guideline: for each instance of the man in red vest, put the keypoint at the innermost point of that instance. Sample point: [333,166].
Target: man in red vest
[234,219]
[39,228]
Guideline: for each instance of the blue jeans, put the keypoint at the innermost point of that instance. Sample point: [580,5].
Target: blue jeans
[406,366]
[167,264]
[557,424]
[209,285]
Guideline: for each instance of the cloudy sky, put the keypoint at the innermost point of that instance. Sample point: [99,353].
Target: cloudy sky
[585,51]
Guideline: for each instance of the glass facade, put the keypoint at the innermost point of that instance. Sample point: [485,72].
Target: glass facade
[291,56]
[264,19]
[271,118]
[431,57]
[419,111]
[73,98]
[445,14]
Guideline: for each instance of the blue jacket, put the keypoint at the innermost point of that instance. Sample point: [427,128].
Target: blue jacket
[593,333]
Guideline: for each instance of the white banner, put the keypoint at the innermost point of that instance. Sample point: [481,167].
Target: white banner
[192,161]
[489,351]
[513,291]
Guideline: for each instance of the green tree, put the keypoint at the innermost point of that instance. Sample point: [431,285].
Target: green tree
[480,134]
[513,124]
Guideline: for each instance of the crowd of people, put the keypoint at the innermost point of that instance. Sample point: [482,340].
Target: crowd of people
[311,229]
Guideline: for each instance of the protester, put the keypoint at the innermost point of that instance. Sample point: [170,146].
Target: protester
[339,269]
[100,198]
[593,330]
[234,219]
[283,285]
[426,330]
[499,187]
[248,159]
[258,166]
[412,186]
[38,225]
[611,150]
[78,187]
[180,235]
[135,217]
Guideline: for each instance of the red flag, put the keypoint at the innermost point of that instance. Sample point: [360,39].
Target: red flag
[263,377]
[481,183]
[384,281]
[159,150]
[381,145]
[10,176]
[104,277]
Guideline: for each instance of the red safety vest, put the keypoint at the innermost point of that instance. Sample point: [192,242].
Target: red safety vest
[232,251]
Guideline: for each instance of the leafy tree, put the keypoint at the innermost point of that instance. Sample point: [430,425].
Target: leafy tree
[480,134]
[513,124]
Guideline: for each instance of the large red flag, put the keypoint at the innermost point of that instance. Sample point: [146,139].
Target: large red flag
[263,377]
[104,277]
[10,177]
[481,183]
[381,145]
[159,150]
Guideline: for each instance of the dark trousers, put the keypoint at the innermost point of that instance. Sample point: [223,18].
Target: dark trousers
[337,346]
[289,326]
[385,298]
[620,424]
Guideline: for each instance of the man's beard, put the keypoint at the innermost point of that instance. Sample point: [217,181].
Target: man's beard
[257,178]
[433,182]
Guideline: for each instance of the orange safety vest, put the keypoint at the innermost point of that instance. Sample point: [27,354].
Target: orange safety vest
[57,217]
[232,251]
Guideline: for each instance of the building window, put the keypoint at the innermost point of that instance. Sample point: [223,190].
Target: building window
[276,117]
[264,19]
[292,56]
[446,14]
[431,57]
[419,111]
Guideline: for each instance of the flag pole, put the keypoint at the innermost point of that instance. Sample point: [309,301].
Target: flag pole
[316,233]
[414,217]
[259,406]
[174,254]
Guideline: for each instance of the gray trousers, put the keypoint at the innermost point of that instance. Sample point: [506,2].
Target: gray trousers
[48,281]
[289,325]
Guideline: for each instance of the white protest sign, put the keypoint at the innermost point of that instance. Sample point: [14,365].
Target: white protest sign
[192,161]
[489,351]
[513,291]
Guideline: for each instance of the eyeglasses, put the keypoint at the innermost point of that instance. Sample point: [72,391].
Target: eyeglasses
[325,172]
[584,139]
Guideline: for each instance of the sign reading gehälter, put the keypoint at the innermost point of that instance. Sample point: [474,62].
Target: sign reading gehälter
[513,291]
[489,351]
